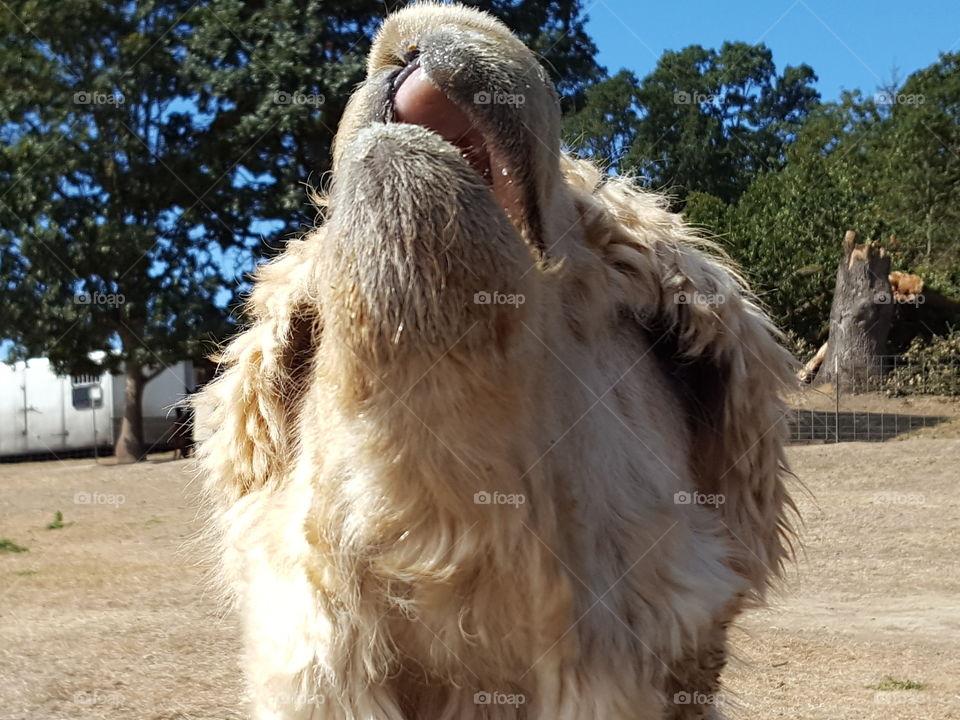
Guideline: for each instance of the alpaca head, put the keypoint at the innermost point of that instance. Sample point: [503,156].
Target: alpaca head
[446,186]
[463,75]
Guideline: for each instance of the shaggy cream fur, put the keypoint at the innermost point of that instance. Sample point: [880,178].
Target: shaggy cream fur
[433,507]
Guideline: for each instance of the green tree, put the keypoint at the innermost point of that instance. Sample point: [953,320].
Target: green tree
[105,240]
[714,119]
[708,212]
[785,230]
[703,120]
[915,153]
[883,165]
[606,126]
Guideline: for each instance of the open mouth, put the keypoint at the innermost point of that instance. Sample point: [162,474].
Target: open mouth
[416,99]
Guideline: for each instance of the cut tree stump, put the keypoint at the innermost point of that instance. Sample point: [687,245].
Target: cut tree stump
[860,317]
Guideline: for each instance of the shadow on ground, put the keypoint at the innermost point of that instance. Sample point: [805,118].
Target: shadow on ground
[812,426]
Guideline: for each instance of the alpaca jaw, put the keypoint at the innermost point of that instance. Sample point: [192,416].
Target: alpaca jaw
[416,242]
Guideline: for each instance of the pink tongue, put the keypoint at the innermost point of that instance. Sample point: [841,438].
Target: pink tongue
[419,102]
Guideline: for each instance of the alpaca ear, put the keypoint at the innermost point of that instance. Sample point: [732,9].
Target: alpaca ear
[720,348]
[246,413]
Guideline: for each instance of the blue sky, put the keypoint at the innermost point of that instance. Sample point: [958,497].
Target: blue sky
[849,43]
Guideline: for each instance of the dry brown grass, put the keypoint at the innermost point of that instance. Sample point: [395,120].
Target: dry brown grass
[108,617]
[873,594]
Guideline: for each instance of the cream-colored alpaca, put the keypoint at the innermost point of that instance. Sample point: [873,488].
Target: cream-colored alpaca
[501,441]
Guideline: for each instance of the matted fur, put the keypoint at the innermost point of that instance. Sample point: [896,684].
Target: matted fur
[372,402]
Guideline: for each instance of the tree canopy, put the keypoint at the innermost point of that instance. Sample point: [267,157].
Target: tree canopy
[887,165]
[106,241]
[703,121]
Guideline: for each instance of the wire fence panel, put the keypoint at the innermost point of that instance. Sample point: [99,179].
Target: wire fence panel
[878,402]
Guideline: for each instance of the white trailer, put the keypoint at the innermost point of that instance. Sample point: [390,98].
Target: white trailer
[42,413]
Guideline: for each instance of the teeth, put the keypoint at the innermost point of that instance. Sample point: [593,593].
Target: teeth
[404,72]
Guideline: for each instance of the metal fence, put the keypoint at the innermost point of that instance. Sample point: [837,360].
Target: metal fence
[877,402]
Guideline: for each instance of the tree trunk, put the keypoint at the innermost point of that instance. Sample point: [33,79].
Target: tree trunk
[860,317]
[129,447]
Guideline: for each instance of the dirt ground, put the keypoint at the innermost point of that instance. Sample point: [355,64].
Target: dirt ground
[107,617]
